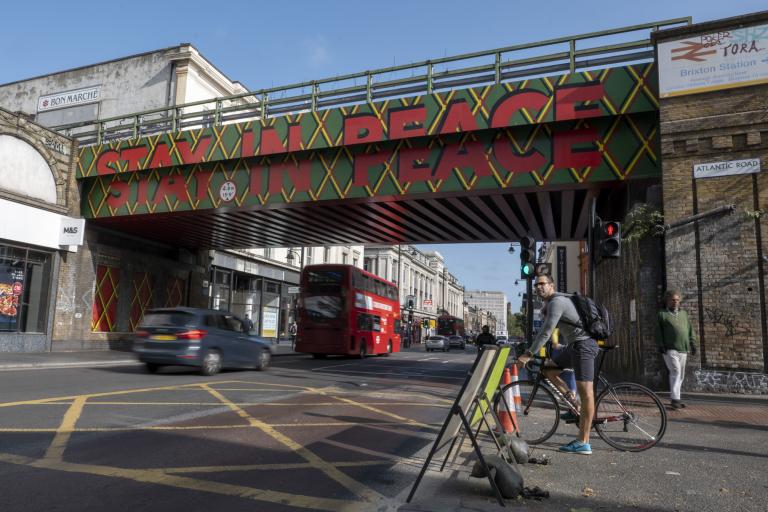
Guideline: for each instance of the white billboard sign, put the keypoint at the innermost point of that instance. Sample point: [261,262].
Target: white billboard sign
[718,60]
[69,98]
[728,168]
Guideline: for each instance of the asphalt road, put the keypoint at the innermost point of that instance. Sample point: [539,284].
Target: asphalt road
[333,434]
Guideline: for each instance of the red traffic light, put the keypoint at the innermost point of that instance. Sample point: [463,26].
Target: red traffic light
[611,229]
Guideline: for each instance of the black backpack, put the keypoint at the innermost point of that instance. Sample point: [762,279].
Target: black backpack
[595,319]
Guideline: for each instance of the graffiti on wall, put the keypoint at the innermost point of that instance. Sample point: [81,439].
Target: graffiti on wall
[718,316]
[730,382]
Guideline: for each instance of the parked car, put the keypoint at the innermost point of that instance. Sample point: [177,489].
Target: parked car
[437,343]
[457,341]
[502,340]
[208,339]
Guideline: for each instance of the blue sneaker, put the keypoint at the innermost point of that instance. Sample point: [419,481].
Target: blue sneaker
[577,446]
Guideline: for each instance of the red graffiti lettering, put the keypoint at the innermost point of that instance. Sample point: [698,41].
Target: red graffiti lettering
[247,148]
[107,163]
[295,143]
[362,129]
[171,186]
[298,174]
[568,102]
[566,156]
[195,156]
[202,180]
[413,164]
[531,101]
[117,197]
[161,156]
[364,163]
[134,156]
[459,118]
[513,161]
[270,142]
[407,122]
[470,155]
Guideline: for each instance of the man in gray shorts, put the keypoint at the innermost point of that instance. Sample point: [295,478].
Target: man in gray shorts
[579,353]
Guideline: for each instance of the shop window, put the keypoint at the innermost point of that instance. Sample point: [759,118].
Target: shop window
[104,318]
[24,283]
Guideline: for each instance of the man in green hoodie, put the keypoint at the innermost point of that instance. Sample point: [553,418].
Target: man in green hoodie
[675,338]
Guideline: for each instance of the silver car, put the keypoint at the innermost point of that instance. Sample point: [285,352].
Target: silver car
[437,343]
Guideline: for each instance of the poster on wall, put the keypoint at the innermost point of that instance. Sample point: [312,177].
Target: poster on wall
[269,323]
[11,288]
[708,62]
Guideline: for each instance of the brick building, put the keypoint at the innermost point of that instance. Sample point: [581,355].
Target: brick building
[719,261]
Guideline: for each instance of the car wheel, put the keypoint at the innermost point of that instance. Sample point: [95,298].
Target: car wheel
[152,367]
[211,363]
[264,359]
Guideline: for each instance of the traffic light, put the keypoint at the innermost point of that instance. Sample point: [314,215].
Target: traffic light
[410,303]
[527,257]
[609,234]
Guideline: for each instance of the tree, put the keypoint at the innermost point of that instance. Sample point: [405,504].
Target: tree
[515,324]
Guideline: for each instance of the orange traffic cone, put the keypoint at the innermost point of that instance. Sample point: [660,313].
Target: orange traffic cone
[508,418]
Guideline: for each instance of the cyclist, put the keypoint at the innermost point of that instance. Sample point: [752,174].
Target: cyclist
[485,338]
[579,353]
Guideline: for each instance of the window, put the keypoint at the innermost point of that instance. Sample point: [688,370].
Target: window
[308,258]
[344,258]
[354,262]
[24,284]
[326,254]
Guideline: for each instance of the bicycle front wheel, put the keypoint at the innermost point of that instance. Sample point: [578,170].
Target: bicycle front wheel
[630,417]
[537,413]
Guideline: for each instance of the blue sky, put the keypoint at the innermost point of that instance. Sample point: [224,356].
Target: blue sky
[269,44]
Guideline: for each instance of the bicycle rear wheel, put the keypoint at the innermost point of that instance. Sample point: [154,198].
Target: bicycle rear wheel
[630,417]
[536,416]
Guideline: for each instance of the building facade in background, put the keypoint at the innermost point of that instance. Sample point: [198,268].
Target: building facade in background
[422,276]
[493,302]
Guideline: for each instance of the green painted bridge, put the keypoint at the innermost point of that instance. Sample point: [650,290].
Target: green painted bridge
[486,152]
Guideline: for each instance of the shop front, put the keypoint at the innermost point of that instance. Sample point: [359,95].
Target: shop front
[254,290]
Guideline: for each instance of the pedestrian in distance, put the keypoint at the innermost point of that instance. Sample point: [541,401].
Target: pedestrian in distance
[292,330]
[579,353]
[485,338]
[675,338]
[247,324]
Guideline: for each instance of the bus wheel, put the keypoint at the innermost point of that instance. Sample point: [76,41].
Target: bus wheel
[362,349]
[318,356]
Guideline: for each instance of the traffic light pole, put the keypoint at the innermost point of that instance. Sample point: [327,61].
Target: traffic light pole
[529,310]
[591,236]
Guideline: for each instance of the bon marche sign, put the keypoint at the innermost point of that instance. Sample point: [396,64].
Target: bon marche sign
[69,98]
[709,62]
[728,168]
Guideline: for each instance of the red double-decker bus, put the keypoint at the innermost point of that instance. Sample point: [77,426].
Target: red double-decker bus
[344,310]
[448,325]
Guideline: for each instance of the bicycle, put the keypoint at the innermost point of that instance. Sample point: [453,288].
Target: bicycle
[628,416]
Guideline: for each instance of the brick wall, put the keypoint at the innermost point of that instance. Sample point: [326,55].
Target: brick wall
[718,263]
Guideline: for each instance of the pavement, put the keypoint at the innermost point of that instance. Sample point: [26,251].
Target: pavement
[89,358]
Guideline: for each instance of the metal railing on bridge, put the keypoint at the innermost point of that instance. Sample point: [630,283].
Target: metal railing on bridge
[517,62]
